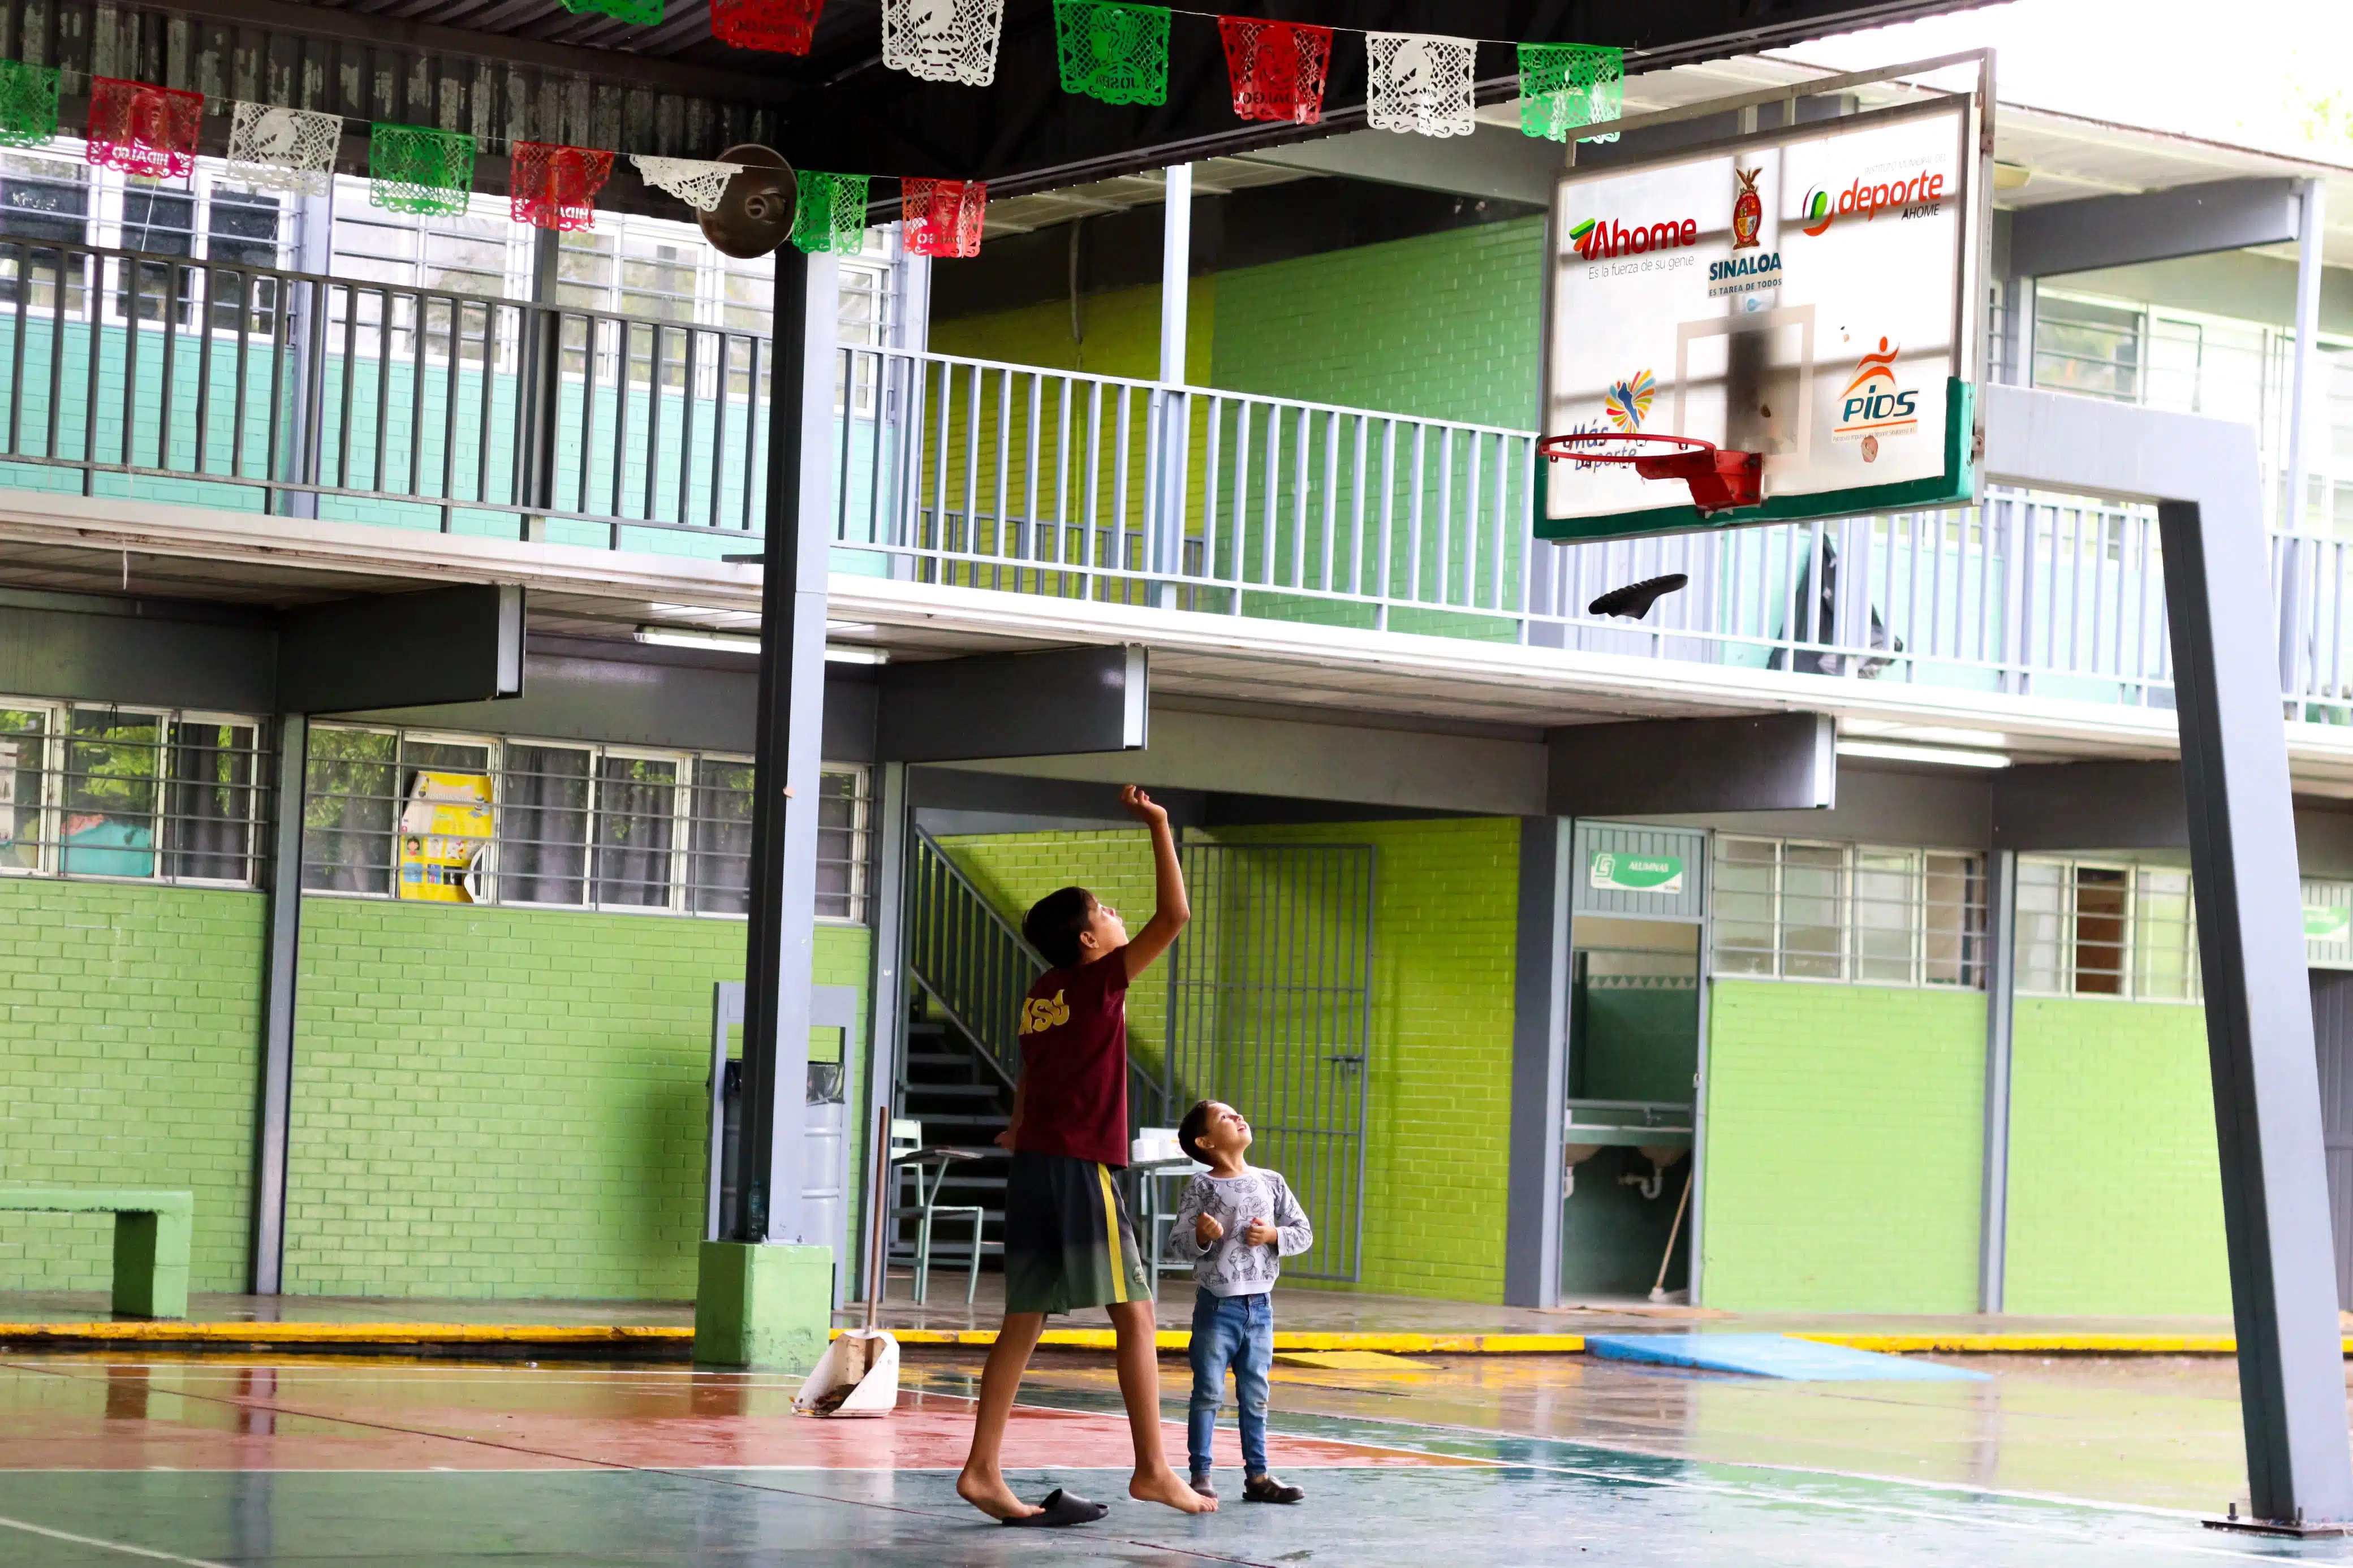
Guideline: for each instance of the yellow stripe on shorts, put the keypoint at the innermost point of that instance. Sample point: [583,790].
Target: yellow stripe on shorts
[1111,1230]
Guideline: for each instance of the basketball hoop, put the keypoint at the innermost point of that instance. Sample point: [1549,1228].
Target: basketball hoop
[1719,480]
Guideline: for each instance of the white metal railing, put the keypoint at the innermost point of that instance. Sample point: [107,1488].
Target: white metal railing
[1052,482]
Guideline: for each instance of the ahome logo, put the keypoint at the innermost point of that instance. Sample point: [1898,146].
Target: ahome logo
[1873,405]
[1595,239]
[1916,197]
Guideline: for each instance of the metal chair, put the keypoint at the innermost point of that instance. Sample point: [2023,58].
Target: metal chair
[908,1153]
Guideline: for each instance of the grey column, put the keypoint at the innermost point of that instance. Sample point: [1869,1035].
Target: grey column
[273,1111]
[2205,478]
[2258,1005]
[781,937]
[2000,967]
[1539,1064]
[540,386]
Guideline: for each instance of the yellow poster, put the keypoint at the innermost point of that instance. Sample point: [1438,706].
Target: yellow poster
[445,832]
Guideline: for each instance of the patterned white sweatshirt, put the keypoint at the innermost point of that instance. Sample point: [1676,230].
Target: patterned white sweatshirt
[1229,1265]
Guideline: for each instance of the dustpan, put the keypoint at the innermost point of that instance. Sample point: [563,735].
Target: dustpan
[859,1373]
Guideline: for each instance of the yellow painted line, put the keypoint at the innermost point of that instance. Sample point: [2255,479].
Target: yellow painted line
[1350,1361]
[2038,1344]
[151,1332]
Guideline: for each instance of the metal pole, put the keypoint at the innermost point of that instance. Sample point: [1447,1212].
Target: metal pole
[887,1026]
[2295,510]
[543,358]
[2258,1008]
[2000,990]
[1167,531]
[285,928]
[781,939]
[1175,272]
[1539,1064]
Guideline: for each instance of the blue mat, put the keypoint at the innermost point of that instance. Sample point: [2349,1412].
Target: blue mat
[1770,1355]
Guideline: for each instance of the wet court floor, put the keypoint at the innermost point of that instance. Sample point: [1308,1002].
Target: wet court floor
[121,1460]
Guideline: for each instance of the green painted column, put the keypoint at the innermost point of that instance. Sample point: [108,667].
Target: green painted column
[763,1306]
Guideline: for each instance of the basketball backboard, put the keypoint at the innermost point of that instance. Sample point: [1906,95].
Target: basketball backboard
[1808,293]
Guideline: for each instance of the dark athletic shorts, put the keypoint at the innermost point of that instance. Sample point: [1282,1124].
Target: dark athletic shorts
[1068,1242]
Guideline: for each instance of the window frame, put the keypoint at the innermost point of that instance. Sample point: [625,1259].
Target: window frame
[57,738]
[679,886]
[1851,958]
[2134,980]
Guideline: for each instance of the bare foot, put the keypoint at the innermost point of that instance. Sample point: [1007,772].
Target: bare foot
[1164,1487]
[988,1492]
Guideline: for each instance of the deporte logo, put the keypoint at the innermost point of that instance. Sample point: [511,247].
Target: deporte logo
[1916,197]
[1595,239]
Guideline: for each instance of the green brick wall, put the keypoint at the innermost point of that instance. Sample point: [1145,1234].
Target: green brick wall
[1122,333]
[508,1102]
[1844,1148]
[2115,1198]
[133,1033]
[1438,1127]
[1443,325]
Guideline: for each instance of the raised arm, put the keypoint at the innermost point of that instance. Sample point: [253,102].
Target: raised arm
[1170,911]
[1183,1240]
[1293,1234]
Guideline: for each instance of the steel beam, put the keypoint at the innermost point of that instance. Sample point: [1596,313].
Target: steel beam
[790,725]
[274,1107]
[2089,805]
[381,650]
[2157,226]
[1068,702]
[1655,767]
[2204,476]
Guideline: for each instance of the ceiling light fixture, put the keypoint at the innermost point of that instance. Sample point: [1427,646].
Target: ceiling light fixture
[695,638]
[1890,753]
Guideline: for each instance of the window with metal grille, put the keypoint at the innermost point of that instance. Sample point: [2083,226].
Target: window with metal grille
[51,194]
[2120,930]
[1880,916]
[146,794]
[2086,347]
[474,819]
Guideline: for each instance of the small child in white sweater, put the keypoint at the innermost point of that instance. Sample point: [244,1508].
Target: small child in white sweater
[1238,1222]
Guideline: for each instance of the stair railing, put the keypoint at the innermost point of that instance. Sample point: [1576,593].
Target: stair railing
[977,968]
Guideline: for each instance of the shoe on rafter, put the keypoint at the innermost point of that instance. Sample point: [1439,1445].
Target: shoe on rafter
[1634,600]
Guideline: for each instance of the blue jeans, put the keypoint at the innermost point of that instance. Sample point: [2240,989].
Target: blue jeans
[1235,1331]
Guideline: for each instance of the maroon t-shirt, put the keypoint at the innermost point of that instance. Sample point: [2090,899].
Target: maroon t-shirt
[1074,1056]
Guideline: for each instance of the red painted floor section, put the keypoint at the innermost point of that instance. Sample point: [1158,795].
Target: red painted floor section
[94,1416]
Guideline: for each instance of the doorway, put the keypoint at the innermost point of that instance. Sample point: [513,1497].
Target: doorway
[1633,1059]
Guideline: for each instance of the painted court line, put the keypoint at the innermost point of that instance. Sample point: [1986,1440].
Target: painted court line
[128,1551]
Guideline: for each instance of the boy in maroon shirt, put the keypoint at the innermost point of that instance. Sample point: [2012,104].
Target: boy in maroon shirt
[1068,1242]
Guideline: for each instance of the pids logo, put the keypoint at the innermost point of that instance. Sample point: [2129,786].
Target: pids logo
[1873,408]
[1595,240]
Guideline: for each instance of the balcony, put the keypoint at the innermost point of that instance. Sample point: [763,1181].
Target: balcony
[247,389]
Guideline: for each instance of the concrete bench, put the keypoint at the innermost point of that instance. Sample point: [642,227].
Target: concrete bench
[151,1240]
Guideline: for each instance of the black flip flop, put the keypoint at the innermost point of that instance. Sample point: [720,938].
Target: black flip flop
[1058,1509]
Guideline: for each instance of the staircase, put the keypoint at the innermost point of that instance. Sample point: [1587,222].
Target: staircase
[945,1083]
[971,970]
